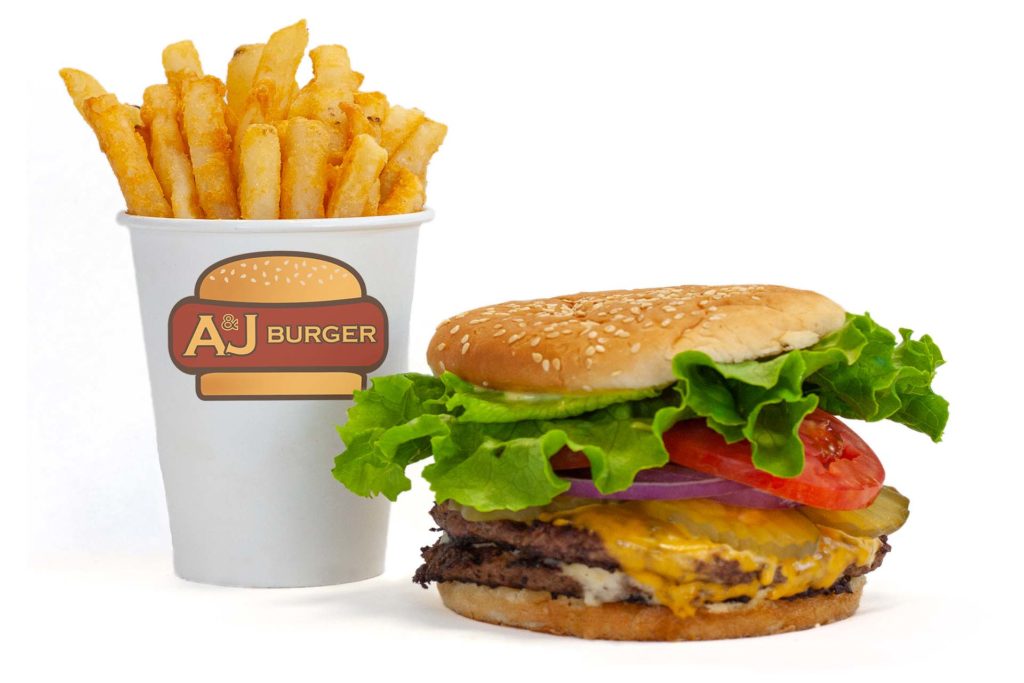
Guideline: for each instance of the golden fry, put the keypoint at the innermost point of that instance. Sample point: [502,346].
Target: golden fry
[273,83]
[413,154]
[81,86]
[373,199]
[332,68]
[181,62]
[398,126]
[241,71]
[375,108]
[363,163]
[167,149]
[407,195]
[304,168]
[126,151]
[209,145]
[260,172]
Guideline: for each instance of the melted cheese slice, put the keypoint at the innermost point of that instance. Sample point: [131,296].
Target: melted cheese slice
[661,554]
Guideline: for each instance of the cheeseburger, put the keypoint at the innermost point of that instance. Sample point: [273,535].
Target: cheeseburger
[653,464]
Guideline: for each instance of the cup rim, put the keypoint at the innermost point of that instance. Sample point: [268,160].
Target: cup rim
[281,225]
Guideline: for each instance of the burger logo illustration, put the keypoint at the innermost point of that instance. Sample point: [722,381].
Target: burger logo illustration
[278,325]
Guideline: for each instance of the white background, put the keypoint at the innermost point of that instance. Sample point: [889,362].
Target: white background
[873,151]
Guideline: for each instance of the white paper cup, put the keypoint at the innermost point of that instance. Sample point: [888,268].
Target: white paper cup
[246,427]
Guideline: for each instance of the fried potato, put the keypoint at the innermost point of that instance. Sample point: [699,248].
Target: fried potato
[375,108]
[363,163]
[209,145]
[373,200]
[241,71]
[181,62]
[304,168]
[273,83]
[260,172]
[407,194]
[114,125]
[413,155]
[81,86]
[332,68]
[160,105]
[398,126]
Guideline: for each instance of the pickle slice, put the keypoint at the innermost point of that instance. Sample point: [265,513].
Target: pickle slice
[784,534]
[887,514]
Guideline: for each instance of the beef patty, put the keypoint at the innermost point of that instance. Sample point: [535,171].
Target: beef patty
[529,555]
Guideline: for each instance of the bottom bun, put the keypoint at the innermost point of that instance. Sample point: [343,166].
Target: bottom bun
[539,611]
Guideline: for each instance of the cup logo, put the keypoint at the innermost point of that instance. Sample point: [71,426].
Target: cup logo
[278,325]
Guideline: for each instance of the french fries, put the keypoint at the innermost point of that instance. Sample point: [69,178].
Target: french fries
[181,63]
[414,154]
[209,145]
[260,172]
[304,168]
[126,151]
[168,151]
[407,195]
[359,171]
[274,81]
[398,126]
[241,71]
[259,147]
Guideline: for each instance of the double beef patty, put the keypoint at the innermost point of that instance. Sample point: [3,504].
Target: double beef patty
[529,555]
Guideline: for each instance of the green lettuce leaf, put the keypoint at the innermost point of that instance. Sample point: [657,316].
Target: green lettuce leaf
[491,449]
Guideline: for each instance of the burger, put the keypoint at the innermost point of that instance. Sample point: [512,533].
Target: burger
[650,464]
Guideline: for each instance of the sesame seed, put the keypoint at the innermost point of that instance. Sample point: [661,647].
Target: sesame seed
[499,332]
[441,347]
[616,373]
[557,363]
[609,328]
[267,262]
[589,362]
[592,334]
[552,335]
[485,383]
[223,270]
[477,321]
[621,333]
[602,340]
[590,351]
[679,316]
[453,330]
[536,357]
[302,282]
[546,364]
[587,387]
[213,277]
[716,316]
[441,365]
[535,341]
[600,349]
[514,338]
[465,338]
[465,347]
[634,348]
[666,322]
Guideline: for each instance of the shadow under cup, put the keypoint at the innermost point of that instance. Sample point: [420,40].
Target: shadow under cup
[256,334]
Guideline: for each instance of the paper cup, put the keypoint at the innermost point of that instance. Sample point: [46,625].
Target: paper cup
[256,334]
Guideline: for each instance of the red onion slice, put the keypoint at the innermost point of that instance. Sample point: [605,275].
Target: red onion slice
[674,482]
[670,482]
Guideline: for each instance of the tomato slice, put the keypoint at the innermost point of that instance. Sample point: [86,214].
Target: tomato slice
[566,459]
[840,472]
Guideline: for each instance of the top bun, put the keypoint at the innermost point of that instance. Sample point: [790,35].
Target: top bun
[278,277]
[625,339]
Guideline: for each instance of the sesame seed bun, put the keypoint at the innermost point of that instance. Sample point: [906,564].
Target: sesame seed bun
[625,339]
[279,278]
[540,611]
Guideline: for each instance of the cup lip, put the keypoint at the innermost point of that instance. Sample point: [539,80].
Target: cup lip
[280,225]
